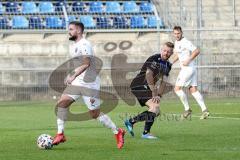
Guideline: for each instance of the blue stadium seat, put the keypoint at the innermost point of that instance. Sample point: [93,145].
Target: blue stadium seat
[59,6]
[152,22]
[96,7]
[12,7]
[130,7]
[146,7]
[88,21]
[1,8]
[78,7]
[3,23]
[113,7]
[19,22]
[103,22]
[70,19]
[137,22]
[35,22]
[53,22]
[120,22]
[46,7]
[29,7]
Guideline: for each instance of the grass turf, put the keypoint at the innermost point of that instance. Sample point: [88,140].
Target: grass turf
[215,138]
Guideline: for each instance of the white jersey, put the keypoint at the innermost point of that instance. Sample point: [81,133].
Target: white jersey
[184,49]
[87,79]
[84,48]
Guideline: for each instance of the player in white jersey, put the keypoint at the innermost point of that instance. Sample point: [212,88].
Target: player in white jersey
[85,77]
[186,53]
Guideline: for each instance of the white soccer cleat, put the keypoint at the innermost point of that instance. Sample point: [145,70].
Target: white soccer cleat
[149,136]
[205,114]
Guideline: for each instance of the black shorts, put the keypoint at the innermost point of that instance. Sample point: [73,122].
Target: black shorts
[143,93]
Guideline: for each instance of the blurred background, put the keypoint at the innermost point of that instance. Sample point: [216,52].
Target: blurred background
[34,41]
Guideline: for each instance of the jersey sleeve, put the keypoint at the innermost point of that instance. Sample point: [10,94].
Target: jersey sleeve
[190,46]
[151,64]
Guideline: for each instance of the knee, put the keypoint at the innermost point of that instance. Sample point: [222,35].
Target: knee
[177,88]
[155,109]
[94,114]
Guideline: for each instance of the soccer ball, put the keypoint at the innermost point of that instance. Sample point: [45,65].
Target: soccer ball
[44,141]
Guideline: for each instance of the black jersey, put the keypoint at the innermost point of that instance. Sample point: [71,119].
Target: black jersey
[157,65]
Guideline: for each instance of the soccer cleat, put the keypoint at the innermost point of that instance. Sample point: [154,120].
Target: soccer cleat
[148,136]
[129,127]
[120,138]
[59,138]
[205,114]
[187,113]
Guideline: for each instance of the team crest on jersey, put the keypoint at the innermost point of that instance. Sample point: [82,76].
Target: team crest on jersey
[154,64]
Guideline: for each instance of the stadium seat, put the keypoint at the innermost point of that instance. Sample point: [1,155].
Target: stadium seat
[146,7]
[19,22]
[130,7]
[46,7]
[70,19]
[35,22]
[152,22]
[88,21]
[120,22]
[96,7]
[1,8]
[29,7]
[59,6]
[137,22]
[103,22]
[78,7]
[3,23]
[113,7]
[11,7]
[53,22]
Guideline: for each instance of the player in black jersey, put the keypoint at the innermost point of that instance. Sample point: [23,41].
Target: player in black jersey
[148,86]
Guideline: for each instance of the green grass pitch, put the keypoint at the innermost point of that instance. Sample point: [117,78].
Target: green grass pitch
[217,138]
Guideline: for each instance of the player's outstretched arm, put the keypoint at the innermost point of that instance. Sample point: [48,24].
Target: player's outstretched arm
[175,58]
[79,70]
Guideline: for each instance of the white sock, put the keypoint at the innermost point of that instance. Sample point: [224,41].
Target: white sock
[183,99]
[61,118]
[60,124]
[199,100]
[107,122]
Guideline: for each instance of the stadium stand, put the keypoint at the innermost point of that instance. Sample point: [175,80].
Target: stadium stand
[134,14]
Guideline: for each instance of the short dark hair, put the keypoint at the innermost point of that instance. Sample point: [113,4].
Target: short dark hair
[77,23]
[169,44]
[178,28]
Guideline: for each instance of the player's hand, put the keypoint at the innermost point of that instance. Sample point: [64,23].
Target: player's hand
[69,80]
[156,99]
[186,63]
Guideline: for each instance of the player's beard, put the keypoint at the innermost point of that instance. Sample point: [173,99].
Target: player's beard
[72,38]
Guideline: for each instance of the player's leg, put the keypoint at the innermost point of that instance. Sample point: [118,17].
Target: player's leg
[184,79]
[151,114]
[142,94]
[199,98]
[95,112]
[62,110]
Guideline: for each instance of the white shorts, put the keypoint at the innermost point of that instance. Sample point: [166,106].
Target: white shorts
[91,99]
[187,77]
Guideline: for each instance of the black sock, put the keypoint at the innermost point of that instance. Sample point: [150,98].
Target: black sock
[140,117]
[149,122]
